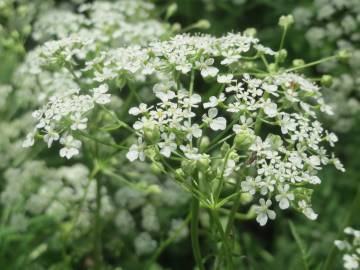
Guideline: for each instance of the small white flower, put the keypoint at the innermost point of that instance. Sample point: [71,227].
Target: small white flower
[168,145]
[79,123]
[136,151]
[190,152]
[100,95]
[270,108]
[206,68]
[216,123]
[214,101]
[29,140]
[71,146]
[50,136]
[251,184]
[191,130]
[287,123]
[351,262]
[263,212]
[307,210]
[138,110]
[284,196]
[225,79]
[270,88]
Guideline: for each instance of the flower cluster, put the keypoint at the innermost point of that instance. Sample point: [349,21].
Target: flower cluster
[329,26]
[284,162]
[350,248]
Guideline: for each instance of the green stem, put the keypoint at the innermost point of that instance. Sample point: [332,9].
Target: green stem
[283,38]
[225,249]
[313,63]
[97,232]
[168,241]
[195,205]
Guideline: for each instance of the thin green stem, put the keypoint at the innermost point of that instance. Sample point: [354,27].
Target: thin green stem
[169,240]
[195,207]
[283,38]
[97,229]
[314,63]
[225,249]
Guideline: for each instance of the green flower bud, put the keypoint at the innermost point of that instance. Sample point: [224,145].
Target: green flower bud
[151,132]
[171,10]
[179,174]
[251,32]
[155,189]
[298,62]
[203,163]
[188,166]
[204,143]
[243,140]
[272,67]
[202,24]
[343,55]
[224,148]
[286,20]
[156,167]
[281,55]
[275,141]
[246,198]
[326,80]
[176,27]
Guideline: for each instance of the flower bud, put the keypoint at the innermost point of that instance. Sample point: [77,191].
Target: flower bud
[179,174]
[188,166]
[202,24]
[151,132]
[286,20]
[203,163]
[326,80]
[171,10]
[343,55]
[281,55]
[204,143]
[157,167]
[244,139]
[250,32]
[298,62]
[272,67]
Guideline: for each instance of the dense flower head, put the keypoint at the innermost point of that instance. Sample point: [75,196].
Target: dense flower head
[282,163]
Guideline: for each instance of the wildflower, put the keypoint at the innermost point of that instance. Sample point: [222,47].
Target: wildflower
[216,123]
[263,212]
[284,196]
[136,151]
[71,146]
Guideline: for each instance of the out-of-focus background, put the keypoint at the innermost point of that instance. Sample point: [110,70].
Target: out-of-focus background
[45,214]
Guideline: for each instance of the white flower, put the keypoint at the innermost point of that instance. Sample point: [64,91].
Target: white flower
[29,140]
[71,146]
[191,130]
[225,79]
[78,122]
[138,110]
[50,136]
[270,88]
[287,123]
[263,212]
[270,108]
[284,196]
[206,68]
[168,145]
[251,184]
[190,152]
[351,261]
[100,95]
[307,210]
[216,123]
[136,151]
[214,101]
